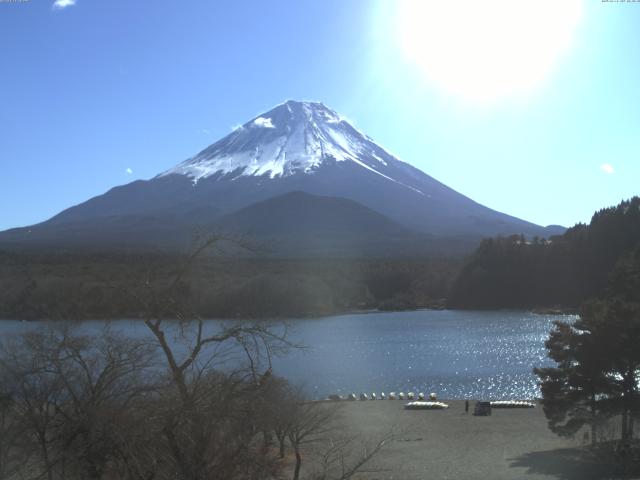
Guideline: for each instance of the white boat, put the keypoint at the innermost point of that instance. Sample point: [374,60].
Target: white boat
[426,406]
[512,404]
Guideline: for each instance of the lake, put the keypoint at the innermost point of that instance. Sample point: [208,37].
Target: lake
[456,354]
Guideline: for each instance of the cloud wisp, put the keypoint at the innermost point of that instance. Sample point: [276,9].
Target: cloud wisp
[263,122]
[607,168]
[62,4]
[128,171]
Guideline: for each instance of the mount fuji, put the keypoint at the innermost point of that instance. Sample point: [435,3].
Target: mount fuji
[298,172]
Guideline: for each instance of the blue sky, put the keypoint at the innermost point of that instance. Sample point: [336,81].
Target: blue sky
[99,93]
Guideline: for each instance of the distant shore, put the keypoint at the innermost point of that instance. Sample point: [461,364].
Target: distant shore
[338,313]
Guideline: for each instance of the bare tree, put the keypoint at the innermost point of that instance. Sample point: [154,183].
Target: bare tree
[34,394]
[11,457]
[346,456]
[212,418]
[276,415]
[72,396]
[310,422]
[192,401]
[316,428]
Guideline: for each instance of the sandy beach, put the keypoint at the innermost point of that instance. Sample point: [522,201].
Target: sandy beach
[449,444]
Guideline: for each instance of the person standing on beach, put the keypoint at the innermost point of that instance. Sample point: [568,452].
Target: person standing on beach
[466,407]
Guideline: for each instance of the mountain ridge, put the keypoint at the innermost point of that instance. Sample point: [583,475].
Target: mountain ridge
[295,146]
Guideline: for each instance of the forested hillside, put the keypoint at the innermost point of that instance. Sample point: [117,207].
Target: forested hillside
[78,286]
[512,272]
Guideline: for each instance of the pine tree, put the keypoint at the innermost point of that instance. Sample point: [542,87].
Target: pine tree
[598,360]
[573,391]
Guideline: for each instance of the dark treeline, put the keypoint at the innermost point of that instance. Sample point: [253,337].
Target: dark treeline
[512,272]
[77,286]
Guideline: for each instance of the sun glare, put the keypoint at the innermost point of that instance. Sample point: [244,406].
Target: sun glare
[483,50]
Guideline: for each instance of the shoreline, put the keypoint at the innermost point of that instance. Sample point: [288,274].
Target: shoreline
[449,444]
[313,316]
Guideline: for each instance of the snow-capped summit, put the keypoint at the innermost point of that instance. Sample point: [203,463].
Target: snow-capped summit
[292,138]
[346,187]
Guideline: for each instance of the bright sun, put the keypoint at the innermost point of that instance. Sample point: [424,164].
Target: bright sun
[483,50]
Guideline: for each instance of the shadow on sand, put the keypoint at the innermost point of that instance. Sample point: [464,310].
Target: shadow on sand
[566,464]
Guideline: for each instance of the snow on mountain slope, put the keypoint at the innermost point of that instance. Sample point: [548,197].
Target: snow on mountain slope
[295,147]
[292,138]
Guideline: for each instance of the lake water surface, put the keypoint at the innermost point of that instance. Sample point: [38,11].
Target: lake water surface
[456,354]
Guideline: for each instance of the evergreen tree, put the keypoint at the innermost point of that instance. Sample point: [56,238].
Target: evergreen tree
[598,359]
[574,392]
[621,314]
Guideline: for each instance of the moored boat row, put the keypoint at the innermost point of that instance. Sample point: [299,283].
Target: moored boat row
[383,396]
[512,404]
[418,402]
